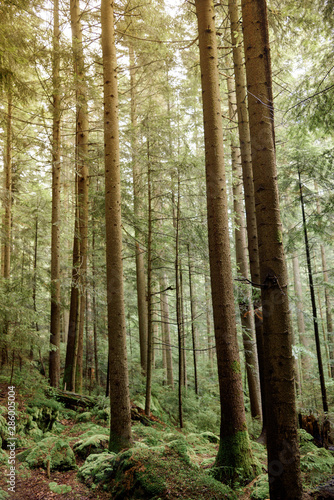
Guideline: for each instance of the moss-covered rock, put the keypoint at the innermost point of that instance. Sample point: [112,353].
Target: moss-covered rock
[3,457]
[210,436]
[60,489]
[84,417]
[97,468]
[91,444]
[54,450]
[163,471]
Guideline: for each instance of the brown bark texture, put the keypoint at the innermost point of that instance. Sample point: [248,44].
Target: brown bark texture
[282,437]
[54,357]
[140,268]
[244,293]
[247,172]
[82,170]
[234,446]
[120,416]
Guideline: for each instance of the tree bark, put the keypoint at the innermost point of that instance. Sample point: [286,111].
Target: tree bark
[7,220]
[120,416]
[234,449]
[313,302]
[82,169]
[140,268]
[244,294]
[247,173]
[329,319]
[149,288]
[193,320]
[166,340]
[54,357]
[305,360]
[282,437]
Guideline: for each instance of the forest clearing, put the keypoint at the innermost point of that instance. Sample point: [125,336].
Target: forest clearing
[166,277]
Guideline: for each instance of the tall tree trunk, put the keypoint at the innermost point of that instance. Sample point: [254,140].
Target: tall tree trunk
[149,287]
[247,173]
[305,359]
[245,298]
[166,329]
[208,322]
[314,307]
[72,337]
[83,179]
[120,415]
[54,357]
[7,220]
[193,319]
[329,319]
[282,442]
[183,330]
[234,449]
[140,268]
[94,311]
[178,304]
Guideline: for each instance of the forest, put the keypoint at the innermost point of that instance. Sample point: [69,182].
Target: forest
[166,286]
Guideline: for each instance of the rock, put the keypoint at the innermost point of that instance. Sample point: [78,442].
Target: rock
[53,450]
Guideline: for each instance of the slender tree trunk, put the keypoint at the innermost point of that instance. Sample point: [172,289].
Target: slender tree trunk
[7,219]
[178,304]
[208,322]
[7,224]
[282,442]
[82,169]
[54,357]
[193,320]
[71,348]
[149,289]
[234,449]
[245,299]
[329,319]
[305,359]
[120,415]
[166,329]
[247,173]
[183,330]
[140,268]
[314,307]
[94,311]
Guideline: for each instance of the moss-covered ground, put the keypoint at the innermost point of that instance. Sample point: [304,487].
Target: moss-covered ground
[63,453]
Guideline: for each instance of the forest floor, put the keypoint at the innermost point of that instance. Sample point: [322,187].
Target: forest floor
[34,484]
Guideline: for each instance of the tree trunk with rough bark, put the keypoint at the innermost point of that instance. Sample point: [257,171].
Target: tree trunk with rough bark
[282,436]
[54,356]
[245,298]
[120,415]
[234,449]
[247,173]
[140,268]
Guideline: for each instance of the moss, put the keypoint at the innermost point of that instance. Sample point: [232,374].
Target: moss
[151,473]
[236,368]
[3,494]
[3,457]
[84,417]
[210,436]
[54,450]
[279,236]
[60,489]
[91,444]
[235,461]
[88,429]
[97,468]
